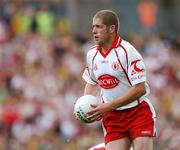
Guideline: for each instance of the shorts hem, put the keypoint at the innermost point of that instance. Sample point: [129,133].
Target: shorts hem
[114,139]
[132,138]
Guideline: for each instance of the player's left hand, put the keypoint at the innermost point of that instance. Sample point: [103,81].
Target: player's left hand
[99,111]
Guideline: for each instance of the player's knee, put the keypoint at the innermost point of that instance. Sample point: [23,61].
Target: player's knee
[143,144]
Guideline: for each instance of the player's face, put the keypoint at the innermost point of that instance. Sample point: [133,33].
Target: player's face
[100,31]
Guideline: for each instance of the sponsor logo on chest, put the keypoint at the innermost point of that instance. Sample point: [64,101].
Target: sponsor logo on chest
[107,81]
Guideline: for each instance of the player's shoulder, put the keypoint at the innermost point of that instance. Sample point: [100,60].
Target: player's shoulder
[92,51]
[127,47]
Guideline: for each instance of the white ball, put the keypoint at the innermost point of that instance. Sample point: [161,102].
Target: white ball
[83,106]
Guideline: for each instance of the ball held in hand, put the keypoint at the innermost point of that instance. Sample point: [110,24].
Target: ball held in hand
[83,106]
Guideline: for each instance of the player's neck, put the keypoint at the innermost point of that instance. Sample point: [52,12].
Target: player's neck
[108,44]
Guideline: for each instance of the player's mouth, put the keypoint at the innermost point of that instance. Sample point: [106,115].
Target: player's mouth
[96,38]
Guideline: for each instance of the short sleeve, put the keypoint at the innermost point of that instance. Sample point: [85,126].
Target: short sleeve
[88,74]
[136,67]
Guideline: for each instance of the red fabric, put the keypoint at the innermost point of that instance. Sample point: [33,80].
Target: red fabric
[131,123]
[9,116]
[147,13]
[115,44]
[102,148]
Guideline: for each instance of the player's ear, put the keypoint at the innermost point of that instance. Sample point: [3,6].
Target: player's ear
[112,29]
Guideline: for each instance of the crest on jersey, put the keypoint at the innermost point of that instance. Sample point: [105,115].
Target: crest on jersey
[136,68]
[115,66]
[107,81]
[95,67]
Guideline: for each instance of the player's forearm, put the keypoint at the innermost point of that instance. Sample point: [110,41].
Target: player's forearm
[91,89]
[133,94]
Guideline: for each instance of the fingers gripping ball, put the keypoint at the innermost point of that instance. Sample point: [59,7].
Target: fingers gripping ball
[83,106]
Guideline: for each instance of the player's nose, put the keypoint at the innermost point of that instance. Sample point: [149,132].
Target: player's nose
[94,31]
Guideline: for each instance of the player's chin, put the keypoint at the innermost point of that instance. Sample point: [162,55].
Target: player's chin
[96,41]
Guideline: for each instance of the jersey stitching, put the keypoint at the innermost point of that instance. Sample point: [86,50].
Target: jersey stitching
[118,43]
[123,67]
[90,76]
[93,62]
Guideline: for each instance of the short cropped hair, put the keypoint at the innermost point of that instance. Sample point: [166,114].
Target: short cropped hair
[109,18]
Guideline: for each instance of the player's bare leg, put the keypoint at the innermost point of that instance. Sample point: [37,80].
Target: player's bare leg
[143,143]
[121,144]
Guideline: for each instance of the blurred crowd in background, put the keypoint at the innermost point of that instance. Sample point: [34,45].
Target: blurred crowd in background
[41,64]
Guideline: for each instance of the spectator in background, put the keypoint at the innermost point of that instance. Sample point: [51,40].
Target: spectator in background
[147,11]
[4,31]
[45,21]
[23,19]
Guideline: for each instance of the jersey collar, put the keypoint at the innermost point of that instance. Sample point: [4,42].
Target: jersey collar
[115,44]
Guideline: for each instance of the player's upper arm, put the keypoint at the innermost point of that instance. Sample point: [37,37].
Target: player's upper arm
[133,64]
[91,89]
[88,74]
[136,66]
